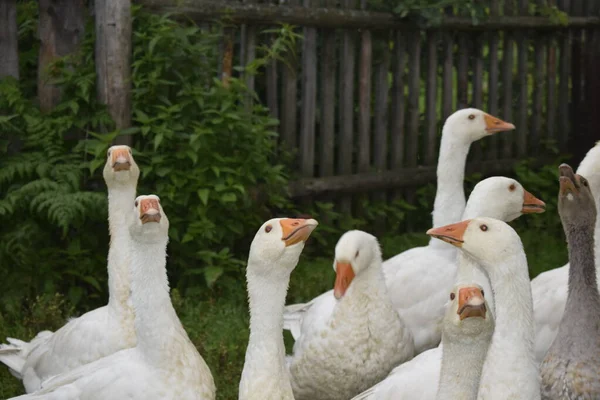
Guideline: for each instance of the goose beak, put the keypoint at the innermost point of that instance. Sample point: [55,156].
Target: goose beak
[296,230]
[531,204]
[344,274]
[493,124]
[452,233]
[567,180]
[121,159]
[149,210]
[470,303]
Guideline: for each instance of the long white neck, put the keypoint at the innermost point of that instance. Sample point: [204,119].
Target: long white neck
[510,354]
[450,196]
[120,203]
[462,360]
[370,281]
[161,337]
[265,370]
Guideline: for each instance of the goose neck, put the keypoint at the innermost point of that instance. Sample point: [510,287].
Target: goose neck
[120,203]
[469,272]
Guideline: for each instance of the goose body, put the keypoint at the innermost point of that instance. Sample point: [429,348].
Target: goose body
[550,288]
[510,370]
[363,338]
[165,363]
[418,292]
[571,368]
[274,254]
[102,331]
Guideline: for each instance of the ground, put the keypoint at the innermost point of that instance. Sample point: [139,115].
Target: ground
[219,326]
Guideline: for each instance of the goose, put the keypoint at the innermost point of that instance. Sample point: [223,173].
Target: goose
[414,302]
[362,339]
[466,335]
[274,254]
[164,364]
[550,288]
[102,331]
[571,368]
[510,370]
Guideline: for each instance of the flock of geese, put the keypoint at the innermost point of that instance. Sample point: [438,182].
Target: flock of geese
[456,319]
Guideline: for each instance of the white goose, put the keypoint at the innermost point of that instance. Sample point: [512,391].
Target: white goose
[165,363]
[361,340]
[274,254]
[550,289]
[104,330]
[496,197]
[414,302]
[510,370]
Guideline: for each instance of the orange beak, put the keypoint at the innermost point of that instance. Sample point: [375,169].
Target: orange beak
[567,180]
[531,204]
[470,303]
[344,274]
[121,159]
[149,210]
[452,233]
[296,230]
[493,124]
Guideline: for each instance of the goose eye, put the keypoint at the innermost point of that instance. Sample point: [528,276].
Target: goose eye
[584,182]
[108,153]
[512,187]
[483,227]
[357,254]
[472,116]
[129,151]
[482,293]
[136,203]
[268,228]
[452,296]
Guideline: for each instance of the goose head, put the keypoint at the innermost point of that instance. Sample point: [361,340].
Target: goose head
[488,240]
[590,169]
[502,198]
[473,124]
[120,167]
[149,223]
[467,315]
[355,252]
[576,205]
[278,244]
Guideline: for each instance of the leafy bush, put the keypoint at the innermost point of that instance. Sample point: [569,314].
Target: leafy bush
[204,148]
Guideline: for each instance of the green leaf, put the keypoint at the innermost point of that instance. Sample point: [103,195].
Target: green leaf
[211,274]
[203,195]
[228,198]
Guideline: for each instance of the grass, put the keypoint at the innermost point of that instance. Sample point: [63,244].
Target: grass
[218,325]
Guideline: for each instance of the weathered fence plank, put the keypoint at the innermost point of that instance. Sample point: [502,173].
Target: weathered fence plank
[538,94]
[309,99]
[113,58]
[431,99]
[523,99]
[563,85]
[9,43]
[414,86]
[61,28]
[398,103]
[448,77]
[507,74]
[364,101]
[289,98]
[380,142]
[492,152]
[477,96]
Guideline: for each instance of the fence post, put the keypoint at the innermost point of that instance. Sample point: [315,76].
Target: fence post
[9,62]
[113,54]
[61,29]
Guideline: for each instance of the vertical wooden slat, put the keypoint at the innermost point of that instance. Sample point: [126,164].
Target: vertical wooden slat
[289,97]
[398,101]
[61,29]
[272,85]
[364,99]
[538,94]
[563,85]
[414,81]
[448,77]
[507,69]
[9,47]
[248,53]
[478,89]
[523,99]
[113,55]
[493,81]
[309,97]
[578,114]
[382,89]
[347,74]
[431,98]
[328,68]
[551,92]
[227,55]
[463,72]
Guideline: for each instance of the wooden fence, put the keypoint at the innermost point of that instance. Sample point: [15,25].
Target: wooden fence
[364,102]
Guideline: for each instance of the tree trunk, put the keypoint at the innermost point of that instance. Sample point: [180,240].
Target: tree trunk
[9,53]
[61,29]
[113,56]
